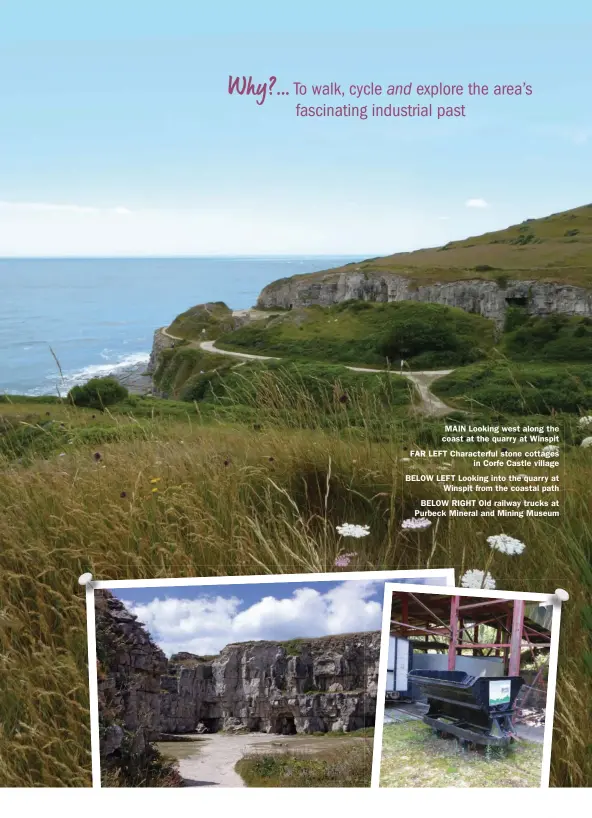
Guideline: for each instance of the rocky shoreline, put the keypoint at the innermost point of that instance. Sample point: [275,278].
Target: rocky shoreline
[137,379]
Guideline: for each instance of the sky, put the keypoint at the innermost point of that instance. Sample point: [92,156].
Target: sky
[118,135]
[203,619]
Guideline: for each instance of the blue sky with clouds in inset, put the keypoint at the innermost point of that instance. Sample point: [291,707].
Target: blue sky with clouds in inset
[203,619]
[119,137]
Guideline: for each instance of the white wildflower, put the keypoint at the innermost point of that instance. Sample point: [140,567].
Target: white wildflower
[351,530]
[586,442]
[550,449]
[416,524]
[474,578]
[505,544]
[585,422]
[405,459]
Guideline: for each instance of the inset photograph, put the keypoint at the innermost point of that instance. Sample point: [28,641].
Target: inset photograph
[256,682]
[467,683]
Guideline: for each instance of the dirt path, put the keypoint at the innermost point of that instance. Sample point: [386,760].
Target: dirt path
[210,762]
[429,403]
[213,763]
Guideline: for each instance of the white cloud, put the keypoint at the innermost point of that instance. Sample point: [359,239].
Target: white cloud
[205,625]
[476,203]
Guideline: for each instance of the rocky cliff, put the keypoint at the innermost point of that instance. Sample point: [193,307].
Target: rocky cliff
[489,298]
[129,670]
[303,686]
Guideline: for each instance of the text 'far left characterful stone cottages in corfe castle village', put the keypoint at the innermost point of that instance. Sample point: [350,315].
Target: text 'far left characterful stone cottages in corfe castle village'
[301,686]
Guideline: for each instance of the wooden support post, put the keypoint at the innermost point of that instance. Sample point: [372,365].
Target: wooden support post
[405,608]
[454,606]
[475,637]
[516,638]
[498,639]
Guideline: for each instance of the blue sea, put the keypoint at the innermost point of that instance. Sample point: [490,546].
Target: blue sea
[98,316]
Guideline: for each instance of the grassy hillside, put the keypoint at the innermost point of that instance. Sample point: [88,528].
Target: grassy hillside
[518,389]
[554,248]
[553,338]
[202,322]
[363,332]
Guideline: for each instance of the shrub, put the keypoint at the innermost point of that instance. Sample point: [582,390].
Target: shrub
[98,393]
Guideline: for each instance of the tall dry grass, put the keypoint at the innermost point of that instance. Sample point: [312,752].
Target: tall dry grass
[230,500]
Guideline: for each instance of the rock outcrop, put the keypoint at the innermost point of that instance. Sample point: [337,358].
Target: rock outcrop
[485,297]
[160,342]
[129,671]
[302,686]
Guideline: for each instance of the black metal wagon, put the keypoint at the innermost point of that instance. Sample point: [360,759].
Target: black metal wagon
[475,709]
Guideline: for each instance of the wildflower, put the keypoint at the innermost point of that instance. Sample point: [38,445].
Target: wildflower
[227,462]
[351,530]
[505,544]
[123,494]
[271,459]
[585,422]
[155,480]
[405,459]
[586,442]
[154,490]
[62,454]
[343,560]
[416,524]
[343,398]
[97,456]
[477,579]
[47,414]
[550,449]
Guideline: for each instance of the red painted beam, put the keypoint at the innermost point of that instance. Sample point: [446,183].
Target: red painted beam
[454,606]
[516,638]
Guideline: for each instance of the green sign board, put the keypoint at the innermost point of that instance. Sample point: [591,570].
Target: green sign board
[499,692]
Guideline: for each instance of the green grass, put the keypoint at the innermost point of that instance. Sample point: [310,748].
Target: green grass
[369,333]
[554,338]
[241,491]
[180,364]
[202,322]
[413,756]
[518,389]
[346,766]
[553,248]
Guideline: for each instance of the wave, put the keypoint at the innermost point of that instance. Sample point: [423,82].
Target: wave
[63,385]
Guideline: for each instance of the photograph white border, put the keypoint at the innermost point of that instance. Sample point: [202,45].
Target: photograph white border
[390,587]
[91,585]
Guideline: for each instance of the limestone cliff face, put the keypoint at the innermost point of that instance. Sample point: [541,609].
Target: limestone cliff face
[305,686]
[129,670]
[485,297]
[160,342]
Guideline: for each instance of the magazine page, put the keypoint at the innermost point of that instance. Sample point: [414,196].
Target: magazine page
[295,404]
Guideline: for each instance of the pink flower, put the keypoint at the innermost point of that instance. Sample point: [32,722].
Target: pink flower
[343,560]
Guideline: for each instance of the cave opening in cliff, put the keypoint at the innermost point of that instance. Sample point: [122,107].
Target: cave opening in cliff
[283,724]
[212,725]
[520,301]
